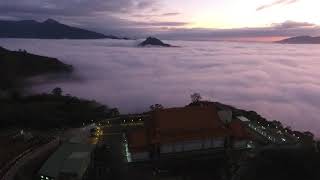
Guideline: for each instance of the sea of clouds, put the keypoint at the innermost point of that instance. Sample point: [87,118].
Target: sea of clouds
[278,81]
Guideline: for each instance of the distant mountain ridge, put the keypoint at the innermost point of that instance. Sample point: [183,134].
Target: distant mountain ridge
[152,41]
[301,40]
[49,29]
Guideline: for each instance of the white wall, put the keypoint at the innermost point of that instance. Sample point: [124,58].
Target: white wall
[192,145]
[240,144]
[141,156]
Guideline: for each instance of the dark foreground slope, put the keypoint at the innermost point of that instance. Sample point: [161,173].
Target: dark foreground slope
[281,164]
[15,66]
[49,29]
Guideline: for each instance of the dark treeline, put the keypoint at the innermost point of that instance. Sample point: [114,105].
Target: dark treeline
[282,164]
[16,66]
[41,111]
[51,111]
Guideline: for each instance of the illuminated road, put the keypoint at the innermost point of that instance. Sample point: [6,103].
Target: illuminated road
[79,135]
[112,138]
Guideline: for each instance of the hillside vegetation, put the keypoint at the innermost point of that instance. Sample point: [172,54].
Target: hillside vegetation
[16,66]
[54,110]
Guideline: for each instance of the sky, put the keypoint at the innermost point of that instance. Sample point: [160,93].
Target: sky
[185,19]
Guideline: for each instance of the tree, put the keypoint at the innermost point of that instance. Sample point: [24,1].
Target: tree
[156,107]
[308,134]
[276,124]
[288,129]
[306,137]
[114,112]
[195,97]
[57,91]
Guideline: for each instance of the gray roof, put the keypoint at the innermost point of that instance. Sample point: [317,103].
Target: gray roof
[76,163]
[69,158]
[242,118]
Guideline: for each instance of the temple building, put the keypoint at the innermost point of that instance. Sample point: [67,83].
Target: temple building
[191,129]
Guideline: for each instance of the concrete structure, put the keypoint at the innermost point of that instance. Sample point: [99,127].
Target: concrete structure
[70,161]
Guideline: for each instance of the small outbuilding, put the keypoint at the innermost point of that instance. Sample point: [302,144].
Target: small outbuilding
[70,161]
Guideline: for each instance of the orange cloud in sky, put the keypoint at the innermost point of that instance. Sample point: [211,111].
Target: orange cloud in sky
[278,2]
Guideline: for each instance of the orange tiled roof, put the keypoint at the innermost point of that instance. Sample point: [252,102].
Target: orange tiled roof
[183,124]
[238,130]
[187,123]
[187,118]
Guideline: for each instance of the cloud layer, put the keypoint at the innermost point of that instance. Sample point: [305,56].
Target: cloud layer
[279,81]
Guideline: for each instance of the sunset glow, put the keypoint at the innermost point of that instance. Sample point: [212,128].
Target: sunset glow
[279,18]
[237,14]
